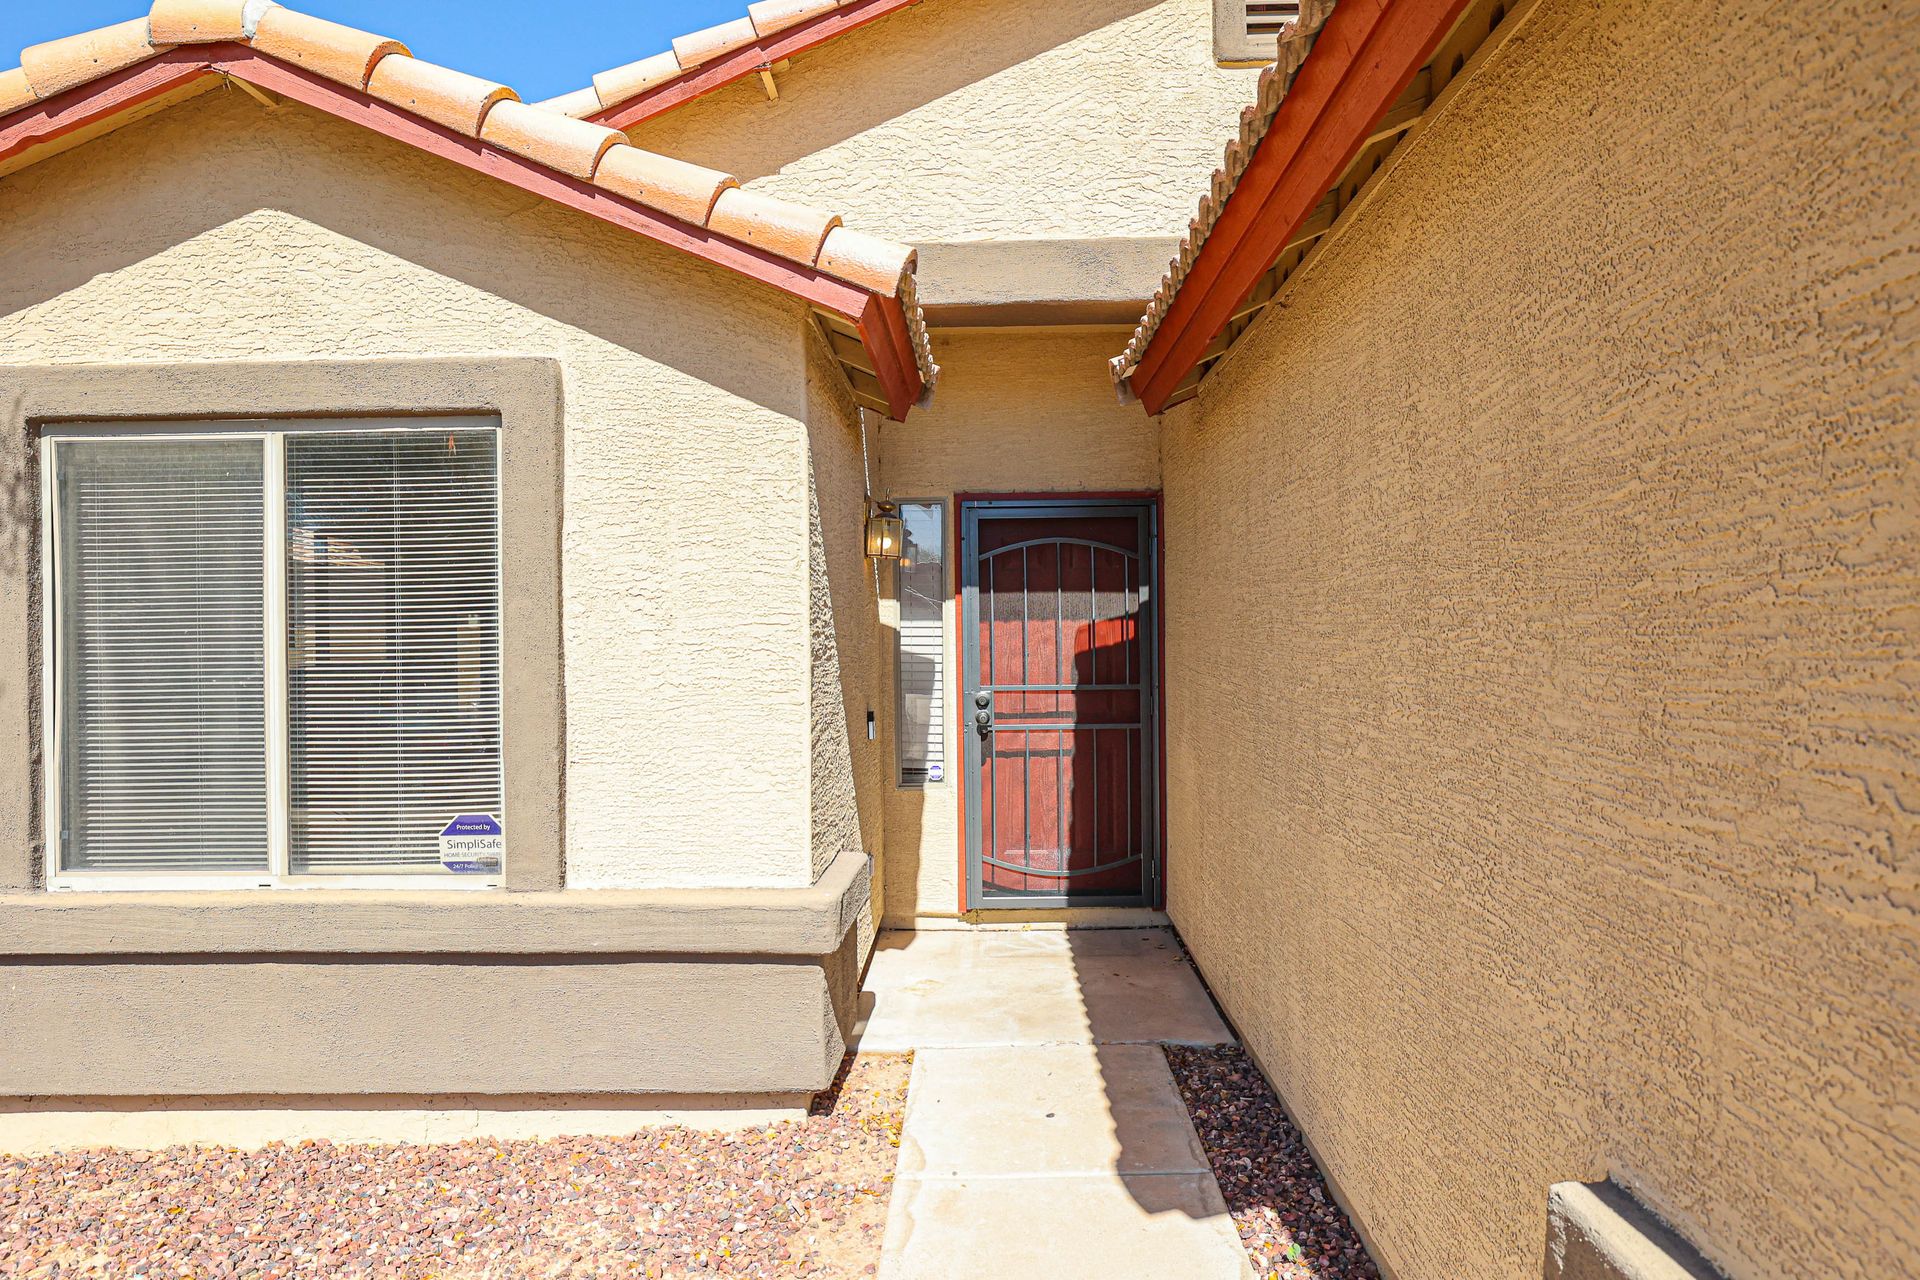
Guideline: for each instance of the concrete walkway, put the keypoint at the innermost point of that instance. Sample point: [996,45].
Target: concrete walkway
[1044,1136]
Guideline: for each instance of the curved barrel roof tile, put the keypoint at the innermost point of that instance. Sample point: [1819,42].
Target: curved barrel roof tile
[690,53]
[1295,42]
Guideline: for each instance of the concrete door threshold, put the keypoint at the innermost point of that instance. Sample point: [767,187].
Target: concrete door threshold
[1076,918]
[995,988]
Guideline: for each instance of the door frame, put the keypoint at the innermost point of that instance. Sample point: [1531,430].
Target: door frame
[966,510]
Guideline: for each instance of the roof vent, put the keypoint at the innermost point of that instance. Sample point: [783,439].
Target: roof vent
[1244,31]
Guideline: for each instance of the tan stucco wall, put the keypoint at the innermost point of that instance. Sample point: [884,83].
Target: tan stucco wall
[978,119]
[1543,652]
[1019,411]
[849,769]
[315,1027]
[218,230]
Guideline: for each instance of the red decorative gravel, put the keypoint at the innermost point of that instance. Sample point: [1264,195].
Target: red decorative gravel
[805,1198]
[1289,1222]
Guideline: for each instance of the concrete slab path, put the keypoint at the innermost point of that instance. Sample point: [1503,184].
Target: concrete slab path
[1044,1136]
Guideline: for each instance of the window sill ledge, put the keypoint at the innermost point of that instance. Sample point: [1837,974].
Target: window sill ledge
[737,922]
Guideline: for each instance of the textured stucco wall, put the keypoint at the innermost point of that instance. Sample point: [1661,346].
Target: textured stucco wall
[220,230]
[184,1028]
[849,770]
[1018,411]
[1543,652]
[980,119]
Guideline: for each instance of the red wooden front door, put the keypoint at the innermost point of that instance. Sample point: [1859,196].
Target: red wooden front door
[1058,703]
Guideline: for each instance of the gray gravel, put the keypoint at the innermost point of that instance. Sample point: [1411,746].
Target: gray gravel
[806,1198]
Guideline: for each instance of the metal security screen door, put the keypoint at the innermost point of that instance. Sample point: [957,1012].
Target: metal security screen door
[1058,644]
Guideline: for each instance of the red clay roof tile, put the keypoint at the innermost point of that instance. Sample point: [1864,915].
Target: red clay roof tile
[58,65]
[578,104]
[767,19]
[16,91]
[687,191]
[440,94]
[770,17]
[198,21]
[340,53]
[1295,42]
[704,46]
[557,141]
[472,106]
[779,226]
[866,260]
[634,77]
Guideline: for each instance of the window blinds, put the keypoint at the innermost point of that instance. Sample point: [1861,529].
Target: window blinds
[920,720]
[159,566]
[393,668]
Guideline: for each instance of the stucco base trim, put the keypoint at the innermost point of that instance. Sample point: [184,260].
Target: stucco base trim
[362,995]
[41,1127]
[1596,1231]
[720,922]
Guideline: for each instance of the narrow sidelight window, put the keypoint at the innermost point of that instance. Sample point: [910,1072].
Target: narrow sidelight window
[920,716]
[275,655]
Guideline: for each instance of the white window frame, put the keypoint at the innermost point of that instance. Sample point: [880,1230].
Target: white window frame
[273,435]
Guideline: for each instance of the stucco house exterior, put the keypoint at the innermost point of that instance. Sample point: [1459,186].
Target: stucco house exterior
[506,600]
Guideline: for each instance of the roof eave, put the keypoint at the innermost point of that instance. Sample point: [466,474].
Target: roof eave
[880,320]
[703,79]
[1362,61]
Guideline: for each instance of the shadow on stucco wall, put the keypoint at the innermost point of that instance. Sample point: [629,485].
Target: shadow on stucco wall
[850,775]
[873,75]
[315,195]
[19,516]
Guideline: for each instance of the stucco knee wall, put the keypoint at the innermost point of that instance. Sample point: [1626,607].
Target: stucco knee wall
[219,231]
[353,994]
[1542,650]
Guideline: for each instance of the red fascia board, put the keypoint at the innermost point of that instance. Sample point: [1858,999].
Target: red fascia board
[883,330]
[1362,61]
[123,90]
[744,61]
[302,86]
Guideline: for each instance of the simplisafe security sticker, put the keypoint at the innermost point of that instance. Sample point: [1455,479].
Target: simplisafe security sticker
[473,843]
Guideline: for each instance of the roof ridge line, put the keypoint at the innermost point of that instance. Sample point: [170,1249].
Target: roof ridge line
[798,25]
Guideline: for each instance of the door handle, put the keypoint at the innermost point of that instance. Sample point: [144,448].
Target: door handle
[983,719]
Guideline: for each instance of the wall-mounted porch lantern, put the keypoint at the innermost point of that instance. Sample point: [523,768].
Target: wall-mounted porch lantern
[885,535]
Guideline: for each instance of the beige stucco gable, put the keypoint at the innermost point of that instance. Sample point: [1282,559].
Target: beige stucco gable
[219,230]
[1004,119]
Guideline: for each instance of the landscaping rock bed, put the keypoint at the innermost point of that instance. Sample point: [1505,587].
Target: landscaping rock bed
[1288,1219]
[806,1198]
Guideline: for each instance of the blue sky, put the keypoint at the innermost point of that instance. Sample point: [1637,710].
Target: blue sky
[540,47]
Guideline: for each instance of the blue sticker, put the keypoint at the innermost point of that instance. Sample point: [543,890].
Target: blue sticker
[473,843]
